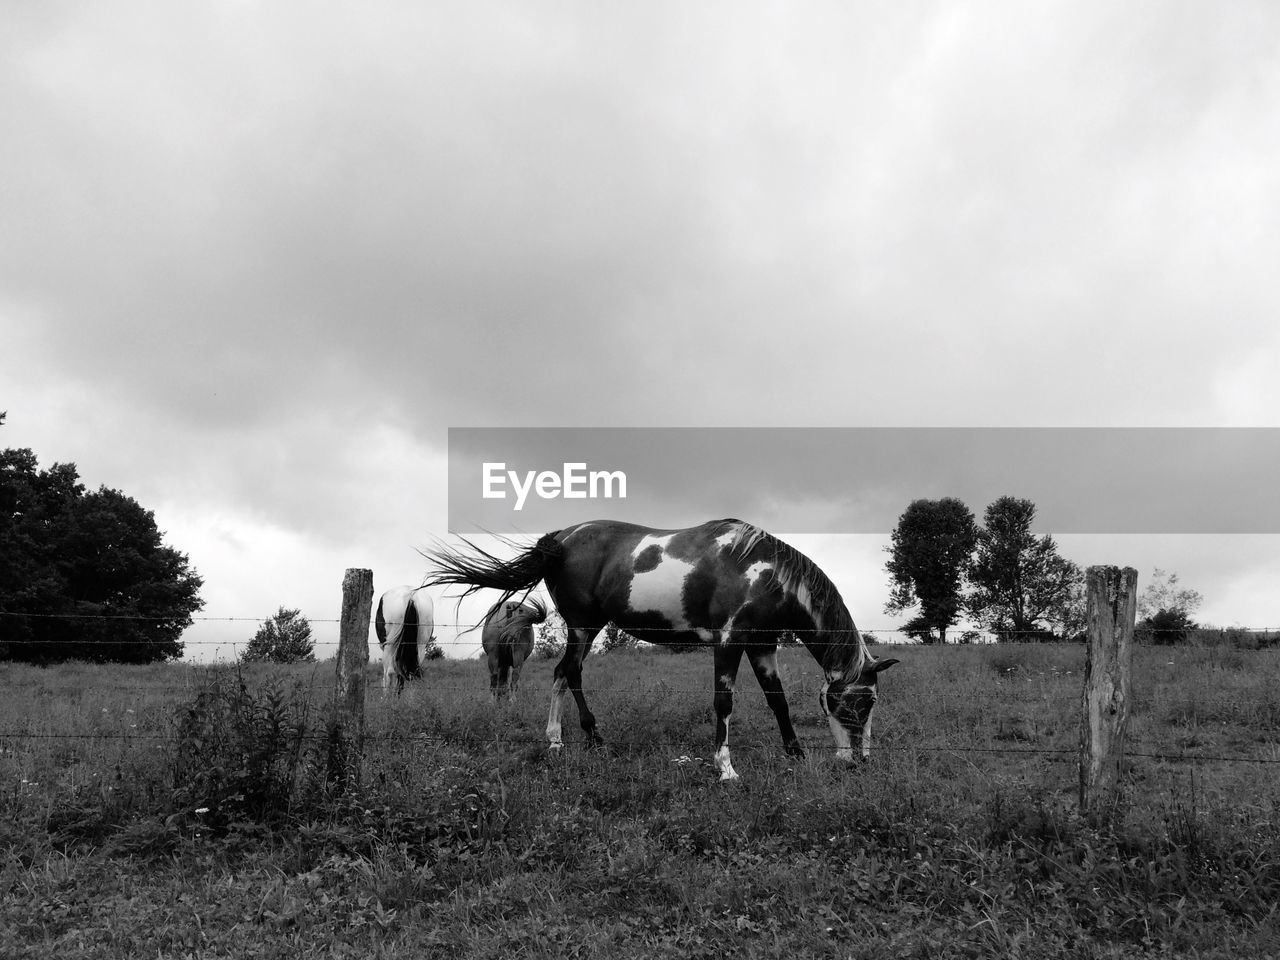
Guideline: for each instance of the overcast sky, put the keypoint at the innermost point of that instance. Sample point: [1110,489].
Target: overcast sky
[255,259]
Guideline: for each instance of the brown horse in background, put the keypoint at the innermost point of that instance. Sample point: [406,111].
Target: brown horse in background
[508,640]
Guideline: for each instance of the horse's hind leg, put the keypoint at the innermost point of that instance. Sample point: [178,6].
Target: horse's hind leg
[517,662]
[764,662]
[568,678]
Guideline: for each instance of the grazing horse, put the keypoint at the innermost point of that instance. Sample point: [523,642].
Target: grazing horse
[508,640]
[726,584]
[405,625]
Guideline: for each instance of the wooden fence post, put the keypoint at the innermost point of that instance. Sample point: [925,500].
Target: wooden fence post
[346,737]
[1111,605]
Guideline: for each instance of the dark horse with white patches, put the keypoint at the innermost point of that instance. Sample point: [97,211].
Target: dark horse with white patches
[508,640]
[405,625]
[726,584]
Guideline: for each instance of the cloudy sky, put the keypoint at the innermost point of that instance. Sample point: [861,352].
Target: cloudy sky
[256,259]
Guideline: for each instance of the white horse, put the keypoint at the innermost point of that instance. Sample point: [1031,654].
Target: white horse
[405,625]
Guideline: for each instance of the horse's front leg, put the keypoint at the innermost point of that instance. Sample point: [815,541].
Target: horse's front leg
[764,663]
[568,678]
[727,658]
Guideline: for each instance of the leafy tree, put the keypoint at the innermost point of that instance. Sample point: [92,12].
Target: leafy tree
[1162,593]
[549,642]
[85,575]
[929,556]
[1020,583]
[284,638]
[1164,627]
[1165,611]
[1070,615]
[612,638]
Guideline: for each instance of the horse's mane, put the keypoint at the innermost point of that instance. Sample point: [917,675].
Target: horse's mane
[842,645]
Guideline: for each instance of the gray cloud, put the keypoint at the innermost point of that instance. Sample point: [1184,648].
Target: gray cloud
[240,241]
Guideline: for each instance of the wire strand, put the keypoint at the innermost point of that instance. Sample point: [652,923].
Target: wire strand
[649,744]
[471,626]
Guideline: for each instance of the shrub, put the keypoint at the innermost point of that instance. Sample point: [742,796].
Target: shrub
[613,638]
[284,638]
[238,753]
[549,643]
[1164,627]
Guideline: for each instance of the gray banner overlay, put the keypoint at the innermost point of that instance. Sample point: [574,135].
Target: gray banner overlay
[860,480]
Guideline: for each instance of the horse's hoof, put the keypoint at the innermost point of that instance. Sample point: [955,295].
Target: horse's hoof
[794,750]
[730,777]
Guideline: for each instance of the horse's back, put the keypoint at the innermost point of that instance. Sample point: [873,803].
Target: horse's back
[605,532]
[663,585]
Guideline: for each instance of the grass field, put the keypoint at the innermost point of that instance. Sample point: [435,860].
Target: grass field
[182,811]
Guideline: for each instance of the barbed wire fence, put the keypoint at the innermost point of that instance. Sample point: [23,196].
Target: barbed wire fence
[975,636]
[624,746]
[1264,636]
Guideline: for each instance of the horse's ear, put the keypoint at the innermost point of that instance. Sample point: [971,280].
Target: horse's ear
[883,665]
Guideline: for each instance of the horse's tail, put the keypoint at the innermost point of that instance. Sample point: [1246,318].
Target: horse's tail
[477,569]
[407,653]
[380,625]
[505,660]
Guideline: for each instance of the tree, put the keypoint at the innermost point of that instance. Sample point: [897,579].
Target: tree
[549,643]
[284,638]
[85,575]
[1020,583]
[1164,627]
[612,638]
[1162,593]
[931,551]
[1071,614]
[918,628]
[1164,611]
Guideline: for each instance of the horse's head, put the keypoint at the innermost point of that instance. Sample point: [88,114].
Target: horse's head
[849,702]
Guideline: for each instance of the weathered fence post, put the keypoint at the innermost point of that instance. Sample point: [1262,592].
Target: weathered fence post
[346,736]
[1111,604]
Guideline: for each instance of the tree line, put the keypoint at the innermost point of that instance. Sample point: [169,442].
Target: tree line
[946,567]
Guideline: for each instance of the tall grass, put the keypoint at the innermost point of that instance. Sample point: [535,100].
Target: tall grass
[462,836]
